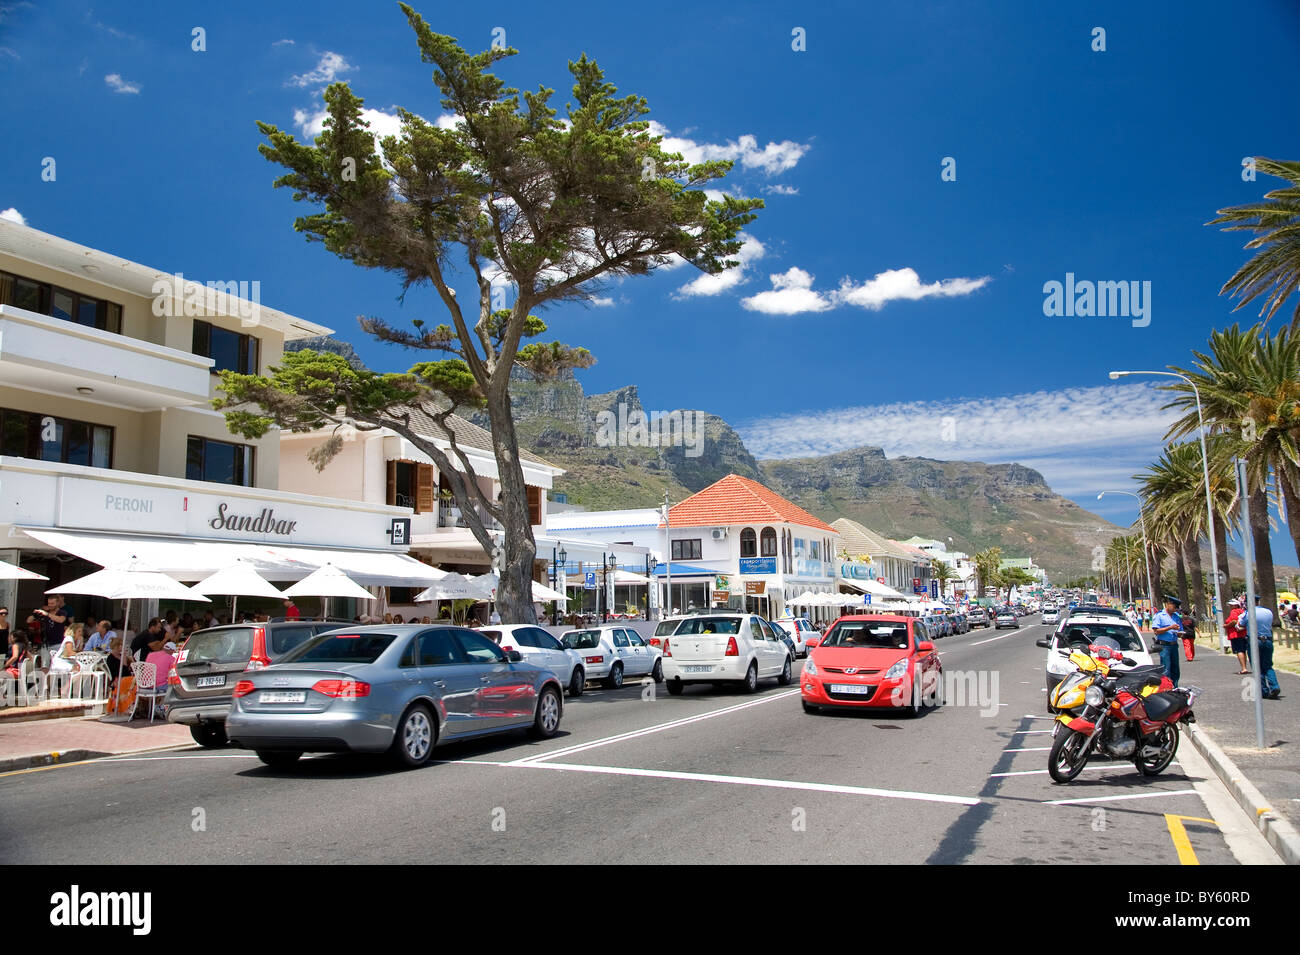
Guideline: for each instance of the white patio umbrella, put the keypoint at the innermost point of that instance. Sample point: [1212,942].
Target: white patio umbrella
[327,581]
[544,593]
[129,580]
[455,587]
[240,579]
[627,577]
[540,591]
[10,571]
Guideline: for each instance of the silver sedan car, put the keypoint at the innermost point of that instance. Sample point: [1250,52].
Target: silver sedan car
[395,689]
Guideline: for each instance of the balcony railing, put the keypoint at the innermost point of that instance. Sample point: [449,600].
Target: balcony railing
[450,515]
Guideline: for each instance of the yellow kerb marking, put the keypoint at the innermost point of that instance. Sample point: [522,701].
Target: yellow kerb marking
[1186,855]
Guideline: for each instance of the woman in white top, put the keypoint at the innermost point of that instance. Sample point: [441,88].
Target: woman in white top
[61,661]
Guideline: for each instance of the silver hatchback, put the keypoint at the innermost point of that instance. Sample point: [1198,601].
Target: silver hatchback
[396,689]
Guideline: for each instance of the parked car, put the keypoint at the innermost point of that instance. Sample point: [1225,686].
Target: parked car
[978,617]
[960,624]
[799,628]
[1006,618]
[540,648]
[872,661]
[398,689]
[611,652]
[1086,629]
[726,647]
[199,688]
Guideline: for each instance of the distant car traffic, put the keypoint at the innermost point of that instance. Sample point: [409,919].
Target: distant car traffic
[978,616]
[1006,618]
[397,689]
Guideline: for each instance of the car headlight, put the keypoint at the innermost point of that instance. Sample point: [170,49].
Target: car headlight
[897,670]
[1094,696]
[810,668]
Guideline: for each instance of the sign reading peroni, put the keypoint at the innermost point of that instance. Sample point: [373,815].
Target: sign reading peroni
[263,523]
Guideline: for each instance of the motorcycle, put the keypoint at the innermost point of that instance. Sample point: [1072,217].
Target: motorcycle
[1094,663]
[1124,717]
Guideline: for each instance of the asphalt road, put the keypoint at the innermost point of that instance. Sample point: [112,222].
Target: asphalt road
[711,776]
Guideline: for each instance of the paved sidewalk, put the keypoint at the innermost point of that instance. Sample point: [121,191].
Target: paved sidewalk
[40,742]
[1229,720]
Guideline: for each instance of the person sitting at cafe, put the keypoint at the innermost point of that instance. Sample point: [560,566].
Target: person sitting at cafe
[164,661]
[102,637]
[114,659]
[18,652]
[144,640]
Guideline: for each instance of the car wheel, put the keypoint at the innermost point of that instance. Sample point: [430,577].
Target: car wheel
[658,673]
[784,678]
[209,735]
[750,683]
[547,722]
[414,739]
[811,708]
[615,678]
[577,682]
[675,687]
[279,758]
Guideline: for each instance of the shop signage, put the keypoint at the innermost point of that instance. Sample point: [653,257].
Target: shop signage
[755,588]
[851,570]
[589,580]
[758,565]
[264,523]
[400,533]
[721,596]
[721,583]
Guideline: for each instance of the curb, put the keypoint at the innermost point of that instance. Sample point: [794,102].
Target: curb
[10,764]
[1278,832]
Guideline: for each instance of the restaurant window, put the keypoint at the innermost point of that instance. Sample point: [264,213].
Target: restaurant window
[46,299]
[687,549]
[748,543]
[229,351]
[26,434]
[768,538]
[410,484]
[219,461]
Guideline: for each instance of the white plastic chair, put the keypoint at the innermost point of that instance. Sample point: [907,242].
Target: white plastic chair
[146,679]
[29,676]
[91,668]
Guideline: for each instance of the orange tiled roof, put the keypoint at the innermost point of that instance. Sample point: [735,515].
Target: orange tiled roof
[738,500]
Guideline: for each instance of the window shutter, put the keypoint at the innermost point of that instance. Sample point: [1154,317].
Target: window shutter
[391,496]
[423,488]
[534,505]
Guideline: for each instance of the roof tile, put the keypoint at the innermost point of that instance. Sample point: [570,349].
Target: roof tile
[738,500]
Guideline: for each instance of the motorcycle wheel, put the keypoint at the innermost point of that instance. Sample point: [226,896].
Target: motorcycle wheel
[1067,759]
[1168,743]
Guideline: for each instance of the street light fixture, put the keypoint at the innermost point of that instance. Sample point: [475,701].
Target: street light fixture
[1205,470]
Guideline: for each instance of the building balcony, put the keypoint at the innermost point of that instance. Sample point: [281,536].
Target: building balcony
[58,357]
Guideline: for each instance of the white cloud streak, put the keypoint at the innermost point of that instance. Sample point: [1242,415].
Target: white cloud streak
[330,66]
[791,294]
[1082,440]
[119,85]
[774,158]
[751,250]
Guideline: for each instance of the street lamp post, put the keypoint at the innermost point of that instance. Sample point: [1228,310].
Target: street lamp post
[1146,549]
[1209,504]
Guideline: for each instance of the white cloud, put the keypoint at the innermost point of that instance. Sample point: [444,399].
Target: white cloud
[330,66]
[773,158]
[119,85]
[285,42]
[905,284]
[312,123]
[751,250]
[792,293]
[600,302]
[781,190]
[1082,440]
[13,215]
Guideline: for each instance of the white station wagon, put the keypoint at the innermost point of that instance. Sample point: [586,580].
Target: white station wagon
[725,648]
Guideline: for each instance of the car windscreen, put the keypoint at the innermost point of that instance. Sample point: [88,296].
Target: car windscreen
[666,628]
[729,625]
[233,645]
[877,635]
[341,648]
[1082,634]
[582,639]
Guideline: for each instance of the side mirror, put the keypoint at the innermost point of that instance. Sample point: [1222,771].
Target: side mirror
[925,646]
[813,642]
[514,656]
[1042,642]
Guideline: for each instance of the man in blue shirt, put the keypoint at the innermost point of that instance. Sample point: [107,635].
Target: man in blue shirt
[1268,685]
[1168,627]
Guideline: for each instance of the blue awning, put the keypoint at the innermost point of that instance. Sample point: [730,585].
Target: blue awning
[685,570]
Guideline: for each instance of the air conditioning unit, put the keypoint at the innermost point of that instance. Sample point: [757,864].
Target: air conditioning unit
[719,533]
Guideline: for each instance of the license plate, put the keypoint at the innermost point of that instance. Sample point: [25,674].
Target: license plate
[698,669]
[282,696]
[211,681]
[850,688]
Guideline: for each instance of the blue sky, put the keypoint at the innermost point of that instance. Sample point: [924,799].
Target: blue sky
[876,304]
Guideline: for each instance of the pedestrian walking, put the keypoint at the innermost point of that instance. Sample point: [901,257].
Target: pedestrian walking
[1268,685]
[1240,641]
[1168,626]
[1190,621]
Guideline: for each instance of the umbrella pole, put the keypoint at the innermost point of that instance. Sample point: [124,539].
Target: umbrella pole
[121,664]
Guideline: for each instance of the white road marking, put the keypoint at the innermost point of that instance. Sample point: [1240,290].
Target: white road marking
[1043,772]
[1013,633]
[735,781]
[146,759]
[1031,716]
[582,747]
[1029,749]
[1174,792]
[1031,732]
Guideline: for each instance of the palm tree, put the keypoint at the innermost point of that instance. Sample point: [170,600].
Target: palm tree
[1227,378]
[986,566]
[1274,271]
[1172,500]
[943,573]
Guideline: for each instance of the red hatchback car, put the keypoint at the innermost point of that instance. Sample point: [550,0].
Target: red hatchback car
[872,660]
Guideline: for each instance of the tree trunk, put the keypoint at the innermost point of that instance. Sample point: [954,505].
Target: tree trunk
[519,549]
[1180,568]
[1292,501]
[1198,580]
[1157,558]
[1265,585]
[1221,545]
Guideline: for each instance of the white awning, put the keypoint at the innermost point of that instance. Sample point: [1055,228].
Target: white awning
[873,587]
[193,560]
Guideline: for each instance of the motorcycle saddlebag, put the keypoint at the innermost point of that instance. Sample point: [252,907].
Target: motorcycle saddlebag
[1161,706]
